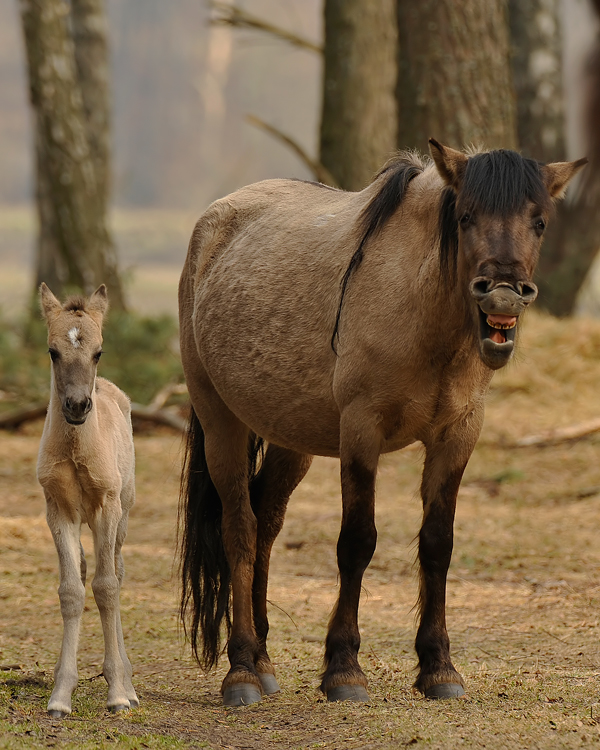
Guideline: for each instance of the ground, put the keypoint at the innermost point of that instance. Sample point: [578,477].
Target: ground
[523,593]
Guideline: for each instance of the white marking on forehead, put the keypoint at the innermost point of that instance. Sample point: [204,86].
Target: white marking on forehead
[74,336]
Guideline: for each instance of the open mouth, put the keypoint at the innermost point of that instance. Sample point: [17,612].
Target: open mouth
[498,328]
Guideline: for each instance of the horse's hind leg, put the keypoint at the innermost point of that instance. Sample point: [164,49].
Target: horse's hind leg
[71,592]
[106,589]
[443,470]
[280,473]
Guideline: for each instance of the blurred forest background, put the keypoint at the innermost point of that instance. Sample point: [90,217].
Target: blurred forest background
[202,97]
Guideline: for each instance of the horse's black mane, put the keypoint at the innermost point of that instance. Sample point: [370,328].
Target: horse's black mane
[75,303]
[397,173]
[496,183]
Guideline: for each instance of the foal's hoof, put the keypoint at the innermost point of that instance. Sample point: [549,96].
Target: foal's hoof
[57,714]
[356,693]
[268,683]
[241,694]
[445,690]
[119,707]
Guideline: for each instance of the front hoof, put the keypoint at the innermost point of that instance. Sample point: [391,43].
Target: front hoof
[241,694]
[119,707]
[356,693]
[269,683]
[134,703]
[55,714]
[444,691]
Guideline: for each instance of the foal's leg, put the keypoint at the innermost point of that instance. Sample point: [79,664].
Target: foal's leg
[226,450]
[120,571]
[281,472]
[71,592]
[343,678]
[106,592]
[444,466]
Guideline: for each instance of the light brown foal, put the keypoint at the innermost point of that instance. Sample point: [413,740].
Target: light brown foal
[86,467]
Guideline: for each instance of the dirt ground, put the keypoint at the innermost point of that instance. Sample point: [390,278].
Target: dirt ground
[523,593]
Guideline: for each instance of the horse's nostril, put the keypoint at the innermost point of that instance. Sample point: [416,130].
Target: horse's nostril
[88,405]
[528,291]
[481,286]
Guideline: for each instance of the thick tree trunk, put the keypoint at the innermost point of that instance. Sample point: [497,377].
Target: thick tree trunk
[573,237]
[358,122]
[75,249]
[454,81]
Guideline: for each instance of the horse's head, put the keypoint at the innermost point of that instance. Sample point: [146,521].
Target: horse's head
[75,346]
[496,208]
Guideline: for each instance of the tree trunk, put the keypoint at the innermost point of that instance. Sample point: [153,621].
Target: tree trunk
[358,121]
[573,236]
[454,81]
[75,249]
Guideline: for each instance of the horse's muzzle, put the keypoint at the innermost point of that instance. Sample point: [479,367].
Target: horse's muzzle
[499,306]
[76,410]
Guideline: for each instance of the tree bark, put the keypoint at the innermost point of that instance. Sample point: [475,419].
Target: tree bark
[573,237]
[358,121]
[75,249]
[454,81]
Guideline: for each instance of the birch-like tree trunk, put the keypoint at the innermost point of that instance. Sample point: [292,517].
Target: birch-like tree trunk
[75,250]
[454,81]
[358,121]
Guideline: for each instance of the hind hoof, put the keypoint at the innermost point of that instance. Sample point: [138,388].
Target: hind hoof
[268,683]
[356,693]
[57,714]
[119,707]
[445,690]
[241,694]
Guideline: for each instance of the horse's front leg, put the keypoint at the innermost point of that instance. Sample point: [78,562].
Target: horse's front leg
[343,679]
[445,463]
[106,588]
[71,592]
[120,571]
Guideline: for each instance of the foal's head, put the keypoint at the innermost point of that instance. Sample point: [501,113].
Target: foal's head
[75,347]
[494,212]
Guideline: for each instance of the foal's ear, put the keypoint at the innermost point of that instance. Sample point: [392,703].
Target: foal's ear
[558,175]
[98,302]
[450,164]
[48,302]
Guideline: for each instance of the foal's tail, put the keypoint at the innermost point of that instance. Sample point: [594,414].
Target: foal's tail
[205,573]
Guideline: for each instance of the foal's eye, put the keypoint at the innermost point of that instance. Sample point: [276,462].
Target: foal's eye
[97,356]
[539,225]
[54,355]
[466,220]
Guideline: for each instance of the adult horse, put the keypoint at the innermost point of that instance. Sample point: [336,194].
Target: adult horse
[349,325]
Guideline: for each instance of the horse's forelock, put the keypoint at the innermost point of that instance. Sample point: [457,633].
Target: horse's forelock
[500,182]
[76,303]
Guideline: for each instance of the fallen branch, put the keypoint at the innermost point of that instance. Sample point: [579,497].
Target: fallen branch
[321,173]
[233,15]
[558,435]
[11,419]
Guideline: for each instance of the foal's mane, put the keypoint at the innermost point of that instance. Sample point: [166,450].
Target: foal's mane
[75,303]
[496,183]
[395,175]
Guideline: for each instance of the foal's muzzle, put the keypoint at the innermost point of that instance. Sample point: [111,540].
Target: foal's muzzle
[500,305]
[75,410]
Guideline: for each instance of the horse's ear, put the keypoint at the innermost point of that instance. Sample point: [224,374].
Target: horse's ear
[450,164]
[48,302]
[98,302]
[558,175]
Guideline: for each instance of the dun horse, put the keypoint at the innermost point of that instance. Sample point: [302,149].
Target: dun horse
[86,467]
[345,324]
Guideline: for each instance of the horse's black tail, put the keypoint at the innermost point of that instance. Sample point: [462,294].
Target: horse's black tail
[205,574]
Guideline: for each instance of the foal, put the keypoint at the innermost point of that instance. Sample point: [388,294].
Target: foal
[86,467]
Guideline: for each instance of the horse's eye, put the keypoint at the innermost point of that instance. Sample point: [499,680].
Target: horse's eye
[540,225]
[54,355]
[97,356]
[465,220]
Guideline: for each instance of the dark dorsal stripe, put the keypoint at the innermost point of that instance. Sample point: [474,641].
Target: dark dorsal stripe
[396,175]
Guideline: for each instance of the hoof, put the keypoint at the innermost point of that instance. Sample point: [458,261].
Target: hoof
[445,690]
[268,683]
[241,694]
[119,707]
[134,703]
[57,714]
[355,693]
